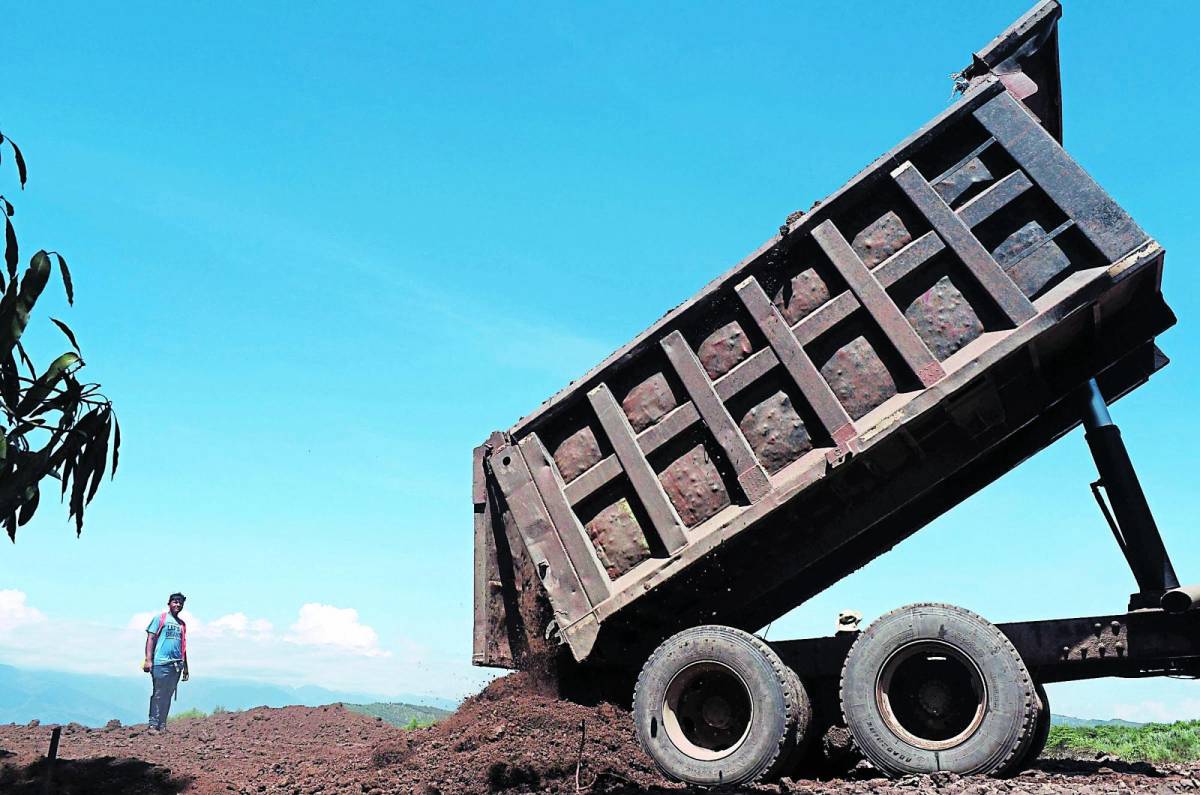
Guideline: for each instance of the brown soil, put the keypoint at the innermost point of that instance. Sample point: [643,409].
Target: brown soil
[514,737]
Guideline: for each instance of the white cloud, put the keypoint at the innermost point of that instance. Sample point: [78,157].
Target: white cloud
[15,613]
[240,626]
[336,627]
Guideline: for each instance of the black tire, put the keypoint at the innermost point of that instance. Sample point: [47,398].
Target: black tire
[1040,734]
[800,728]
[715,706]
[934,687]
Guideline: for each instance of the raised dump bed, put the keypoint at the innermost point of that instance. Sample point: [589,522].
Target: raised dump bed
[905,342]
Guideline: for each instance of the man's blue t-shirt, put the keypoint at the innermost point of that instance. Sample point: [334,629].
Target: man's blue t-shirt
[169,647]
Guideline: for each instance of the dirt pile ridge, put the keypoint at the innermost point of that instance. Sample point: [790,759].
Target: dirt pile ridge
[516,736]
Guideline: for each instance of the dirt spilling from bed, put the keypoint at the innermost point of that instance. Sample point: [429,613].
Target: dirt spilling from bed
[517,736]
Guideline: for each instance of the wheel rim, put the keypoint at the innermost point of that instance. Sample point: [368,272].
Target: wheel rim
[931,695]
[707,710]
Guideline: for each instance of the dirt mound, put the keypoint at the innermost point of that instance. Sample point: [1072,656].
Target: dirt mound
[291,750]
[517,736]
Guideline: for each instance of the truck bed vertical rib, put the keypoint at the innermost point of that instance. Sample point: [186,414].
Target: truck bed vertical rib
[958,236]
[879,305]
[797,362]
[1107,226]
[645,482]
[574,538]
[542,542]
[750,474]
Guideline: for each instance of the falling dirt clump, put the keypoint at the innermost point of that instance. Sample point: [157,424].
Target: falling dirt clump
[518,736]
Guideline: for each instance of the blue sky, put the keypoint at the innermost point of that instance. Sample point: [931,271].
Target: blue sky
[321,251]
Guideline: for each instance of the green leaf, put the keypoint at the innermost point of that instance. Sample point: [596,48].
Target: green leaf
[18,302]
[27,361]
[10,248]
[65,475]
[39,270]
[10,385]
[22,172]
[45,382]
[72,393]
[25,426]
[98,456]
[69,461]
[80,475]
[69,334]
[74,455]
[33,495]
[68,285]
[116,446]
[3,444]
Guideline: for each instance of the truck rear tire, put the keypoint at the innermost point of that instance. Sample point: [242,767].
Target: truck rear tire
[1041,733]
[934,687]
[715,706]
[800,728]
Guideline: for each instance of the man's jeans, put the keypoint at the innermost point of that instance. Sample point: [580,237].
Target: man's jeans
[166,679]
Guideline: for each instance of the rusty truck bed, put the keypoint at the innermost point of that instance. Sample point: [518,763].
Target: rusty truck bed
[907,341]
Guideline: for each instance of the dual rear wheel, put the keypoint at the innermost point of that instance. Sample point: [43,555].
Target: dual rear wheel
[925,688]
[715,706]
[934,687]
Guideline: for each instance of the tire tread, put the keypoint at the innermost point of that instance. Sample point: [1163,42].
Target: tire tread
[796,703]
[1011,760]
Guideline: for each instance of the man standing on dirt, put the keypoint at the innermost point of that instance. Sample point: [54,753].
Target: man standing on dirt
[166,658]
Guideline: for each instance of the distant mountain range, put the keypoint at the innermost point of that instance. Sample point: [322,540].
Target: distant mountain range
[1087,723]
[57,697]
[400,714]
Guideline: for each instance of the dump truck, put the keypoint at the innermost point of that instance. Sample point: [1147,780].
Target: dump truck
[967,299]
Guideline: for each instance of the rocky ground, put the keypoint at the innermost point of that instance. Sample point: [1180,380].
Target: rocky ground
[514,737]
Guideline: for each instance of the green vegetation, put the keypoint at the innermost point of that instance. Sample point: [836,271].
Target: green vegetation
[1153,742]
[188,713]
[51,424]
[219,710]
[408,716]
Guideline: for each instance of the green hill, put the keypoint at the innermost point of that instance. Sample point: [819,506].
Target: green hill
[1087,723]
[405,715]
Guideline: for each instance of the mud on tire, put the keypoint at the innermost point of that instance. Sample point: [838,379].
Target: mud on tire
[933,687]
[715,706]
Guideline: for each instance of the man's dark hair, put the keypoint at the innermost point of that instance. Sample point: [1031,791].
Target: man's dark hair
[180,596]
